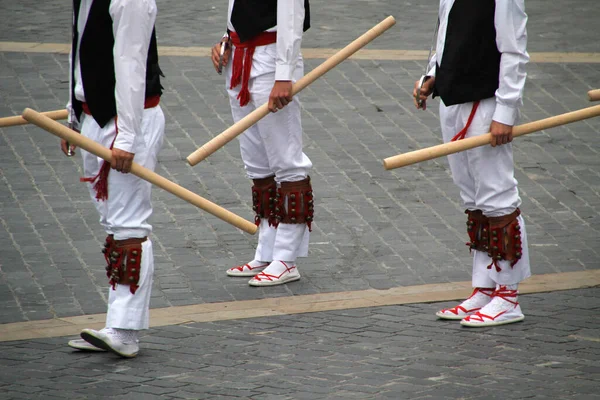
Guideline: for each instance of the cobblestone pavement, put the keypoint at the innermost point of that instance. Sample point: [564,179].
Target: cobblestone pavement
[398,352]
[375,228]
[553,26]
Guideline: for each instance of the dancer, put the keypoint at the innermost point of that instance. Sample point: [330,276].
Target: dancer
[478,71]
[115,91]
[263,39]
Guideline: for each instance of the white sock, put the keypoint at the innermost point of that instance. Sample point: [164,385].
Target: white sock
[256,263]
[277,267]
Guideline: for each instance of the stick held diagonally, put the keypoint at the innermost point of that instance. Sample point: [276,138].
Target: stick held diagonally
[238,128]
[429,153]
[19,120]
[89,145]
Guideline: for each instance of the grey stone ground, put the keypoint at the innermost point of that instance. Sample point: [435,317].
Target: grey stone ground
[554,26]
[376,353]
[375,228]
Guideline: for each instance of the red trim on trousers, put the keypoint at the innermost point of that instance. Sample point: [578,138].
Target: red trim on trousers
[461,135]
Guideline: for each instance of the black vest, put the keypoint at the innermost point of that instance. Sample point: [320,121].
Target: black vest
[470,66]
[97,64]
[251,17]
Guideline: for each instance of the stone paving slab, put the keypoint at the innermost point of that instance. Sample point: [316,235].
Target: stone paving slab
[396,352]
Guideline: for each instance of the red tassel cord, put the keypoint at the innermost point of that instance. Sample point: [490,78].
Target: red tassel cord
[461,135]
[100,181]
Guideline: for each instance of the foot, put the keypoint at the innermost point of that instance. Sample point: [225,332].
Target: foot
[122,342]
[250,269]
[479,298]
[503,309]
[82,345]
[277,273]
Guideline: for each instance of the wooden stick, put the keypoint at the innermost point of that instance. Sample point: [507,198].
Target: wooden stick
[237,129]
[594,95]
[429,153]
[91,146]
[19,120]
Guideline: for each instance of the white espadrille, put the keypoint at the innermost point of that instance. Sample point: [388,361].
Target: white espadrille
[479,298]
[503,309]
[122,342]
[250,269]
[276,275]
[82,345]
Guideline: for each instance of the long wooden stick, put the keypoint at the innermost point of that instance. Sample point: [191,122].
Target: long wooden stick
[440,150]
[594,95]
[237,129]
[19,120]
[138,170]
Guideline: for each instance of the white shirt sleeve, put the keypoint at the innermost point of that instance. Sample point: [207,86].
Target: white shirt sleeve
[431,67]
[511,40]
[71,117]
[133,22]
[290,25]
[440,38]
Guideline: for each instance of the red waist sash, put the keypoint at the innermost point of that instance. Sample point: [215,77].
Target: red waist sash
[242,61]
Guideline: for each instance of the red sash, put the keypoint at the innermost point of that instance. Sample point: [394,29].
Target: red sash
[242,61]
[150,102]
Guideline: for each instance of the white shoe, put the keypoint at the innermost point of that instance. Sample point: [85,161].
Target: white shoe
[250,269]
[479,298]
[122,342]
[503,309]
[276,275]
[81,344]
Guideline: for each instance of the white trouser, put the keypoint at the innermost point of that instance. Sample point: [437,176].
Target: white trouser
[485,177]
[132,311]
[126,211]
[273,146]
[285,243]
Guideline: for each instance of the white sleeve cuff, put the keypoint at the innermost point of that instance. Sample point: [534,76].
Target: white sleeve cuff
[431,72]
[505,115]
[72,120]
[283,72]
[70,113]
[124,142]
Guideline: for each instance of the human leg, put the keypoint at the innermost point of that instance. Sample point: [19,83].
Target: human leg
[281,135]
[264,193]
[452,120]
[500,255]
[129,252]
[264,187]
